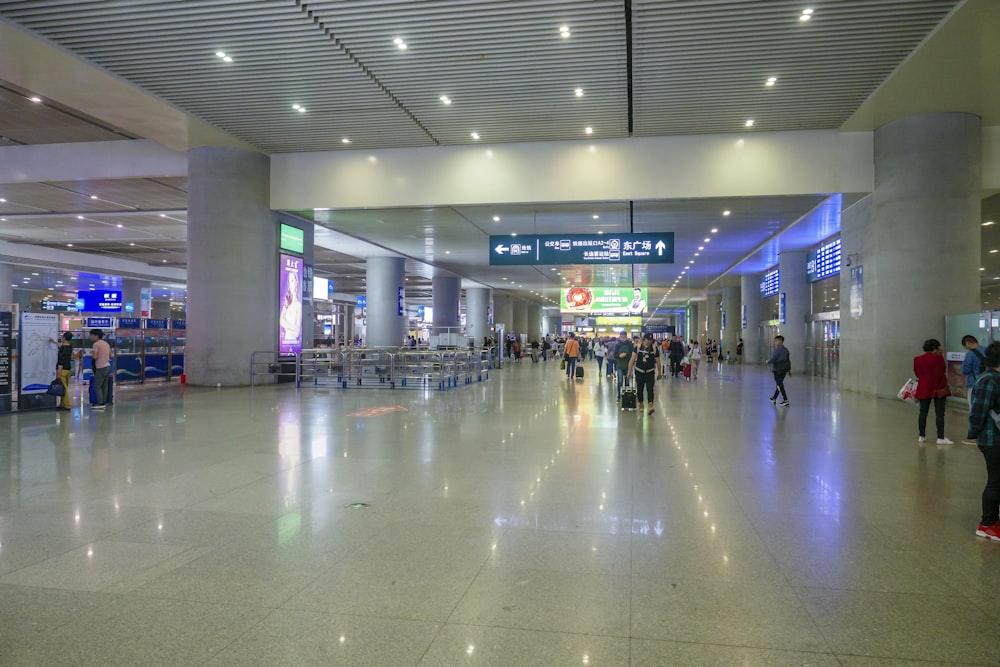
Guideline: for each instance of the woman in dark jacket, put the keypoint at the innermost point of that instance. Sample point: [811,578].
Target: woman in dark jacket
[932,385]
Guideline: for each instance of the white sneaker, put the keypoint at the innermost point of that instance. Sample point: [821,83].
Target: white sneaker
[921,439]
[944,441]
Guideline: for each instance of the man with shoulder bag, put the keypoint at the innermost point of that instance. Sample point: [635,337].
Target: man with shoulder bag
[973,365]
[985,431]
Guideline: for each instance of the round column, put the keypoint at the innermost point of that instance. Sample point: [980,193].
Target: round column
[6,284]
[534,329]
[694,323]
[477,322]
[232,264]
[132,294]
[714,317]
[503,311]
[751,303]
[386,314]
[795,290]
[445,299]
[520,317]
[731,299]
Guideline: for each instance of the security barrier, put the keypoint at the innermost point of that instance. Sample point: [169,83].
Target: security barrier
[267,363]
[392,368]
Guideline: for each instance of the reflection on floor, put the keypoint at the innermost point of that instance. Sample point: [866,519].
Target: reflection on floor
[522,521]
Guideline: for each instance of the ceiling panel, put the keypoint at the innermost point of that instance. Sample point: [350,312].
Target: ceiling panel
[23,121]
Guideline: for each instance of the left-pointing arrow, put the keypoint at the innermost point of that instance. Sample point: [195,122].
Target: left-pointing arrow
[501,249]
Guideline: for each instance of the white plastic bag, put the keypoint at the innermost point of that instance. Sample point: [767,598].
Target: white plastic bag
[908,392]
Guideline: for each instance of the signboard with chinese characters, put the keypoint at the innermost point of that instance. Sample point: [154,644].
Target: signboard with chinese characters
[857,292]
[823,262]
[290,273]
[99,301]
[624,300]
[6,352]
[770,283]
[618,320]
[782,308]
[582,249]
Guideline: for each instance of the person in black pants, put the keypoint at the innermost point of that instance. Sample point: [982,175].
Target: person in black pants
[645,363]
[781,364]
[986,398]
[676,352]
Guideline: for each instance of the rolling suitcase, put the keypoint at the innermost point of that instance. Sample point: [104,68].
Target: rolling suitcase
[579,372]
[92,391]
[628,397]
[686,371]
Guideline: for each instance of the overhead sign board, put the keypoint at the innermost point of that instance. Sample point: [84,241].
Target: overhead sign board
[618,320]
[770,283]
[291,239]
[610,300]
[823,262]
[582,249]
[99,301]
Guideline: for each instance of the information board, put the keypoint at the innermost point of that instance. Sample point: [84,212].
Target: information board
[291,239]
[99,301]
[618,320]
[770,283]
[582,249]
[290,307]
[38,353]
[823,262]
[6,340]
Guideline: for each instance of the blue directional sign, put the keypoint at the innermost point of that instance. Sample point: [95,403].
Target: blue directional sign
[582,249]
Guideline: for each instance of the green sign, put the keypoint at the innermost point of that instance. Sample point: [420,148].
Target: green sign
[609,300]
[292,239]
[618,320]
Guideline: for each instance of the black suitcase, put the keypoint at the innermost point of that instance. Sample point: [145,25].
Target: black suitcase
[579,372]
[628,399]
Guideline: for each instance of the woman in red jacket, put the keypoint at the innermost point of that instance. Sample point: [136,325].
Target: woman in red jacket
[932,385]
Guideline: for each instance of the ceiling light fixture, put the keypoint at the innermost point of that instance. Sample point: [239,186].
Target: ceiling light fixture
[578,92]
[36,100]
[93,196]
[749,123]
[513,233]
[988,223]
[345,140]
[496,218]
[475,135]
[588,130]
[596,217]
[771,81]
[707,241]
[726,212]
[223,56]
[993,251]
[445,99]
[806,14]
[564,31]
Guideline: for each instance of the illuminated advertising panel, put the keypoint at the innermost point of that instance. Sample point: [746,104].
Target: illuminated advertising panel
[605,300]
[618,321]
[291,239]
[770,283]
[823,262]
[290,305]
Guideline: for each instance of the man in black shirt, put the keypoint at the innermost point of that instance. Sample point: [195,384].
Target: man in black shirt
[64,365]
[645,362]
[676,352]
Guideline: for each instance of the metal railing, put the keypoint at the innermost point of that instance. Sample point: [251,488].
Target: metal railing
[268,363]
[379,368]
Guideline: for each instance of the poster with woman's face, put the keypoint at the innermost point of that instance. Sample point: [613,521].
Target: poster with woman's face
[290,305]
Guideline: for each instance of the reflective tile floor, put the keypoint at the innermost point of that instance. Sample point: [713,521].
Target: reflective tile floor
[524,521]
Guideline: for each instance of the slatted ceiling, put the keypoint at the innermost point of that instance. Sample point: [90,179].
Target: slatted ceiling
[115,195]
[700,67]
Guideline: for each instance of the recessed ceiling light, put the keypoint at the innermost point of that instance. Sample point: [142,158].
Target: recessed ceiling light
[513,233]
[600,233]
[707,241]
[496,218]
[445,99]
[697,254]
[981,268]
[345,140]
[296,107]
[301,109]
[588,130]
[988,223]
[771,81]
[398,41]
[131,244]
[220,54]
[36,100]
[749,123]
[2,200]
[119,226]
[726,212]
[578,92]
[69,245]
[701,247]
[164,261]
[447,252]
[401,46]
[79,217]
[475,135]
[993,251]
[564,31]
[93,196]
[597,217]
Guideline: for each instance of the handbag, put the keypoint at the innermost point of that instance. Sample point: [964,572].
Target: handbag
[562,365]
[908,392]
[56,388]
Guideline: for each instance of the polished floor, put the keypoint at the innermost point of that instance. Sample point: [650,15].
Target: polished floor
[523,521]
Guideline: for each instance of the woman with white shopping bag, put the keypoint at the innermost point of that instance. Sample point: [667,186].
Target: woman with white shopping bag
[932,385]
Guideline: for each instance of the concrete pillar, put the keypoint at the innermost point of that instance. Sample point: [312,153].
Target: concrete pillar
[731,299]
[555,324]
[795,290]
[232,264]
[520,317]
[22,298]
[385,285]
[534,329]
[6,283]
[503,311]
[445,292]
[477,303]
[917,240]
[714,317]
[694,323]
[132,294]
[752,305]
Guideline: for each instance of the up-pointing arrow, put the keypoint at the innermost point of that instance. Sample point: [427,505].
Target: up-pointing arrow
[501,248]
[660,245]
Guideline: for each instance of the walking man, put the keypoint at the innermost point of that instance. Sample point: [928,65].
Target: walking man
[572,353]
[781,365]
[101,355]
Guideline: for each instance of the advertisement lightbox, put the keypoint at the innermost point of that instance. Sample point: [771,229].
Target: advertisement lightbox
[604,300]
[290,305]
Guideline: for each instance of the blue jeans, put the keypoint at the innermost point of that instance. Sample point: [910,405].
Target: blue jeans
[621,380]
[600,364]
[570,367]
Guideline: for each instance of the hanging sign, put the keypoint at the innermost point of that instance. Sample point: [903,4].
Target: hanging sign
[582,249]
[782,312]
[6,342]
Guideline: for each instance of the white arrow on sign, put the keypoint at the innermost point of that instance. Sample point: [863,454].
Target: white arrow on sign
[660,245]
[501,249]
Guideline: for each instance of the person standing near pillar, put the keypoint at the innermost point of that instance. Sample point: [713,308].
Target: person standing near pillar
[985,403]
[781,365]
[932,385]
[101,354]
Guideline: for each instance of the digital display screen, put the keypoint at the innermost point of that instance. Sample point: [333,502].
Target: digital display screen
[609,300]
[292,239]
[770,283]
[823,262]
[99,301]
[290,306]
